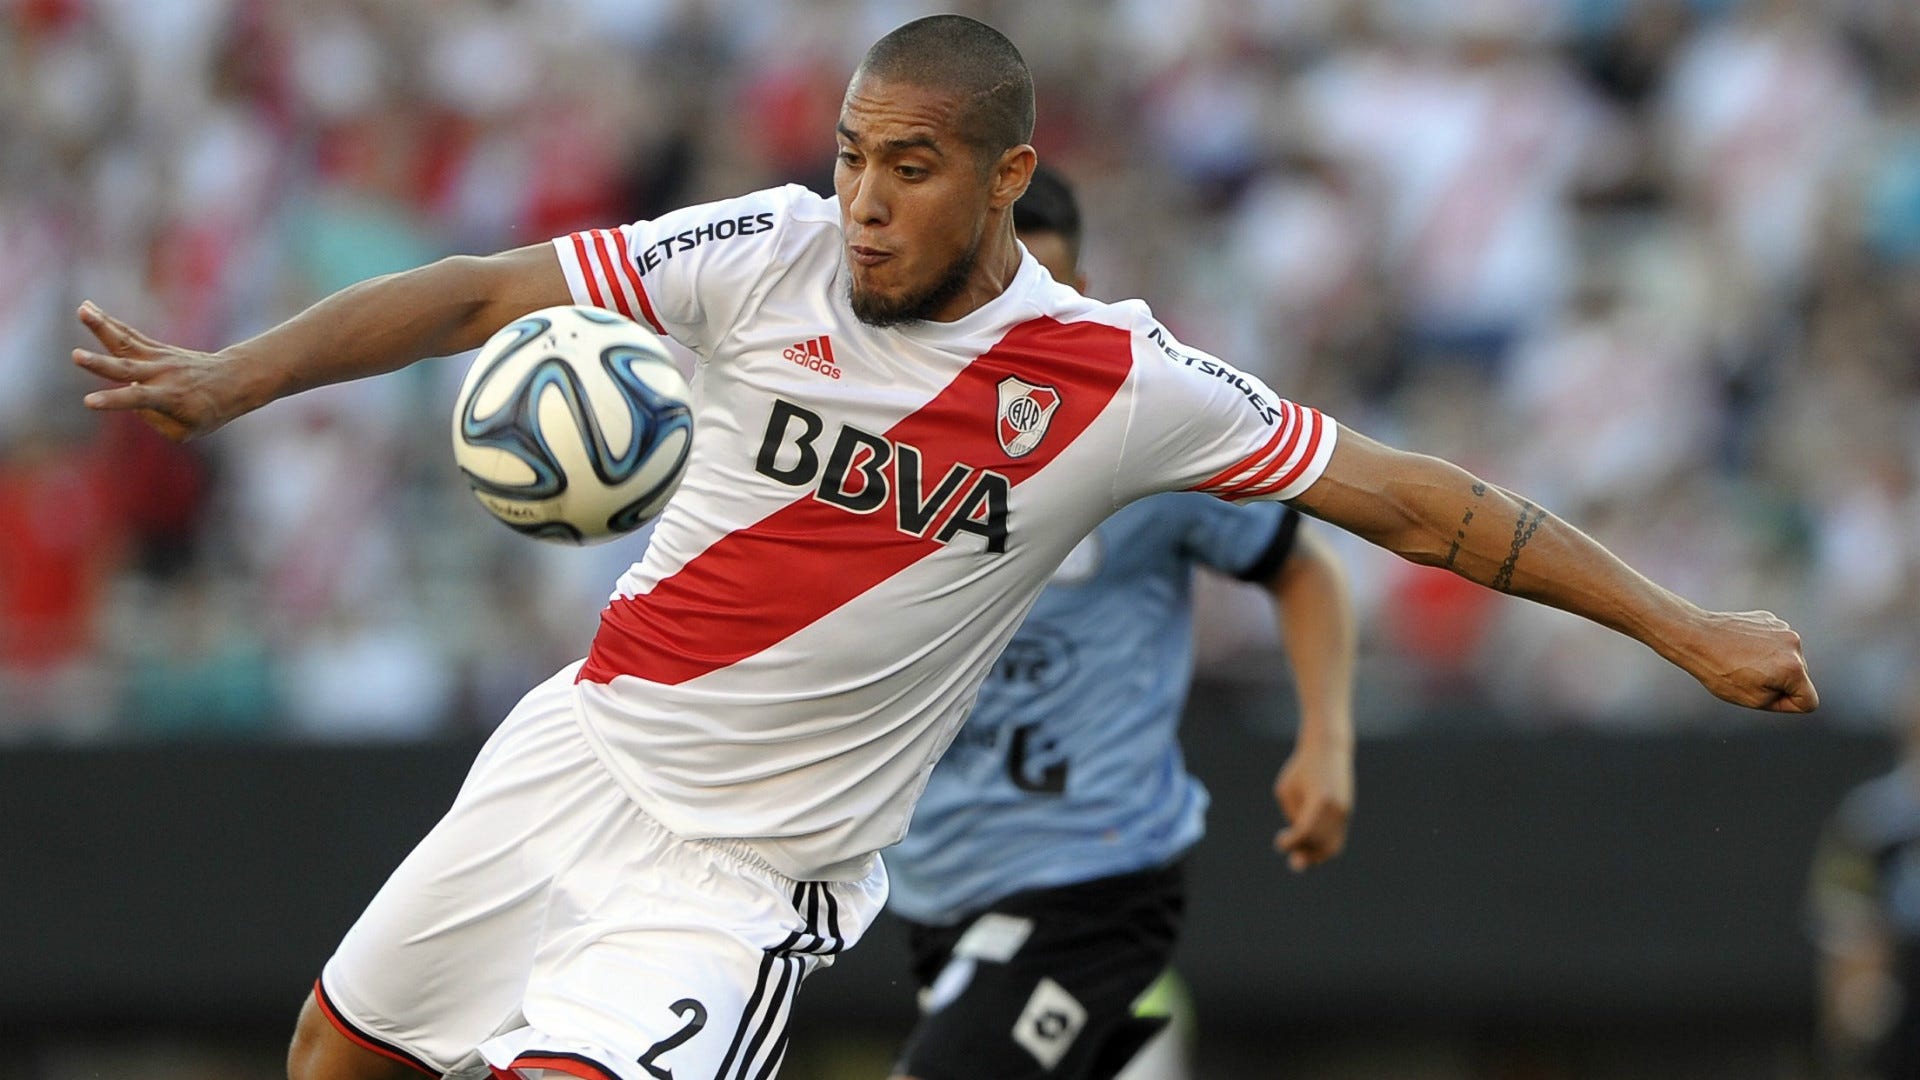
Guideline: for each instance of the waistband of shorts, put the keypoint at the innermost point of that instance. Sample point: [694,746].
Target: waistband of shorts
[738,850]
[746,851]
[741,851]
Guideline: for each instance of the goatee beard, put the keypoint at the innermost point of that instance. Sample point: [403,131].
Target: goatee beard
[879,312]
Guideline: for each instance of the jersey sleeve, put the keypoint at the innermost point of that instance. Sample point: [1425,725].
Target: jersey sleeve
[688,274]
[1247,542]
[1200,424]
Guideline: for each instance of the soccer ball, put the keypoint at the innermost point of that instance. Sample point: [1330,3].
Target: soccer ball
[573,425]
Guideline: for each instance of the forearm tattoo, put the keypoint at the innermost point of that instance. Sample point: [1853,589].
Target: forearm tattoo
[1523,529]
[1453,551]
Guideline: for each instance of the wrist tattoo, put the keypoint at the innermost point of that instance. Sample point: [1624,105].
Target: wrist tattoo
[1523,529]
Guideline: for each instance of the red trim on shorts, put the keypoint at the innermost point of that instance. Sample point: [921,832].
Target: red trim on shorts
[571,1064]
[363,1040]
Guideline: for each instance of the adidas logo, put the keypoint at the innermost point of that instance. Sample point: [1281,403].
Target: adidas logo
[815,354]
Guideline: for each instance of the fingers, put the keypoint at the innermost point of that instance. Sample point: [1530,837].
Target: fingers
[1317,835]
[1757,662]
[122,398]
[1793,692]
[1301,853]
[1797,696]
[148,374]
[117,336]
[1303,849]
[107,365]
[1804,696]
[145,400]
[1287,842]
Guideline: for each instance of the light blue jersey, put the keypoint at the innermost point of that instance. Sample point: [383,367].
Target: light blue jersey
[1069,767]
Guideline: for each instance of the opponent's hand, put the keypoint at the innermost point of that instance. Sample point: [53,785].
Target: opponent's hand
[1315,792]
[1750,658]
[181,393]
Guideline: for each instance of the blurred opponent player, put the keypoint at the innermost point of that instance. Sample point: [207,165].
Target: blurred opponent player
[1865,907]
[661,841]
[1040,875]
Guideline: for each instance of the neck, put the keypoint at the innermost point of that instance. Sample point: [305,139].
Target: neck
[993,270]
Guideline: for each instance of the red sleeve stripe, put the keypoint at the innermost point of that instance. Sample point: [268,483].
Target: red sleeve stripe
[1306,440]
[586,269]
[1291,423]
[1247,469]
[1308,455]
[605,266]
[1241,466]
[632,275]
[1304,425]
[1318,425]
[1314,425]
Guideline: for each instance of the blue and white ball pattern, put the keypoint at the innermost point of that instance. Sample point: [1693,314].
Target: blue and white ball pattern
[573,425]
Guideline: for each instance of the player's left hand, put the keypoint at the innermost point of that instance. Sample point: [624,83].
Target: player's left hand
[1315,792]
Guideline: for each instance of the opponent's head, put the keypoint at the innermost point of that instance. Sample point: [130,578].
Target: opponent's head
[932,155]
[1047,219]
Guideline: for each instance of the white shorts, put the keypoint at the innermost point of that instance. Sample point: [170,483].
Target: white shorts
[547,923]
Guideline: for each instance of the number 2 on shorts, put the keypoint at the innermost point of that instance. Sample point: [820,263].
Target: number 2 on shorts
[696,1015]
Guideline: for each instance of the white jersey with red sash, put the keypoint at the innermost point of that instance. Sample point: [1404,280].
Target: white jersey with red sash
[868,513]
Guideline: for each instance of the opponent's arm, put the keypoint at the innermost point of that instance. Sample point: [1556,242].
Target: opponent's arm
[1434,513]
[378,325]
[1315,786]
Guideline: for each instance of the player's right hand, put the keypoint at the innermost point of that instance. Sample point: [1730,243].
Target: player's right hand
[1315,792]
[182,393]
[1750,658]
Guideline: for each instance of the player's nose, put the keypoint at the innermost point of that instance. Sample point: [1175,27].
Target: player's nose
[868,206]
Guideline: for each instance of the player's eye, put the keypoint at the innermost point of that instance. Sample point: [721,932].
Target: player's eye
[911,172]
[850,159]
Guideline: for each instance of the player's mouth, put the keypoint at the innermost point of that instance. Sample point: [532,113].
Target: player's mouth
[866,256]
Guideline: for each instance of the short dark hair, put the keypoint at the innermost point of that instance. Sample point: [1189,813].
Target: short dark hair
[969,58]
[1049,206]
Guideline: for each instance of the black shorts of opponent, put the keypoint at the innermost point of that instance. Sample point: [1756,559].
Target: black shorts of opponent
[1042,984]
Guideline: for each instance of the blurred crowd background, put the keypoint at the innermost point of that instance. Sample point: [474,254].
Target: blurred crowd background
[1655,263]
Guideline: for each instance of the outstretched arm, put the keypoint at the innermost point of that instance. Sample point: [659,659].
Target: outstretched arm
[379,325]
[1434,513]
[1315,786]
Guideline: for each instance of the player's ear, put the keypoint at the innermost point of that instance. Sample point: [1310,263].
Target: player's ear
[1011,173]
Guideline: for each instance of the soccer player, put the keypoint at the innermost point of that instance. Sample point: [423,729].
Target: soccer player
[1865,908]
[1039,875]
[661,841]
